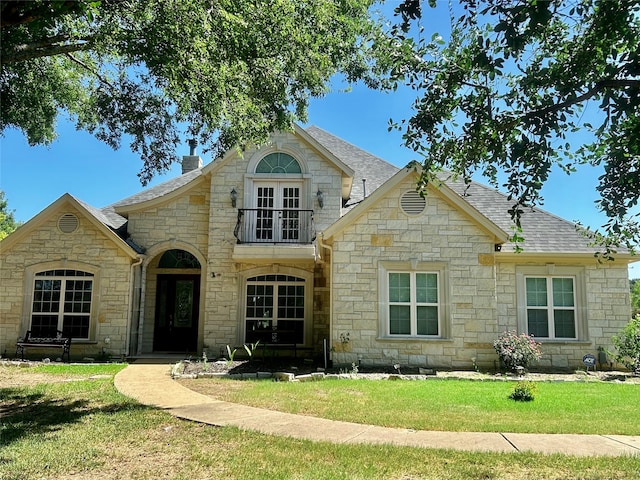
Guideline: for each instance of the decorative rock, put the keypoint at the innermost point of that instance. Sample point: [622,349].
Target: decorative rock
[317,375]
[46,360]
[427,371]
[304,378]
[283,377]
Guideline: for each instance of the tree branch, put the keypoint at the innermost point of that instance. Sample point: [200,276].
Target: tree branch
[597,88]
[42,51]
[100,78]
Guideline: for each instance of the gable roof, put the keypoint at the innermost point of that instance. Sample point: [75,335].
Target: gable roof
[448,195]
[365,165]
[544,232]
[103,222]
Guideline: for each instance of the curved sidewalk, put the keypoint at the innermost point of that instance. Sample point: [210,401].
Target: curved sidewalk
[151,384]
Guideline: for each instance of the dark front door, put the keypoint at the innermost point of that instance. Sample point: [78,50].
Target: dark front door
[176,325]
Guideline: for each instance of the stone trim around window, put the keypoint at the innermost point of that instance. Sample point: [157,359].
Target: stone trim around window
[413,268]
[548,273]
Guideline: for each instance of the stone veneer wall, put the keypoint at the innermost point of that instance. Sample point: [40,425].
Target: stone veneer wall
[87,245]
[223,318]
[181,223]
[440,235]
[608,310]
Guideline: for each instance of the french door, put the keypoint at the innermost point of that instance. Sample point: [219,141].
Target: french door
[277,212]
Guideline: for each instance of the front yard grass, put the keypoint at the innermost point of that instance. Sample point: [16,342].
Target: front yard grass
[60,424]
[449,405]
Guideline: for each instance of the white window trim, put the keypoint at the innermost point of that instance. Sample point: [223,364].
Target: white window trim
[412,267]
[549,272]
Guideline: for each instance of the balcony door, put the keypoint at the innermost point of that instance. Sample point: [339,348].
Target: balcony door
[277,212]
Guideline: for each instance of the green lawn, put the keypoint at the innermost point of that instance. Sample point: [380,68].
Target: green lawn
[73,424]
[452,405]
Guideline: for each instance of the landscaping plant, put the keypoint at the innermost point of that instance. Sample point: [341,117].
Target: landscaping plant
[627,344]
[517,350]
[524,391]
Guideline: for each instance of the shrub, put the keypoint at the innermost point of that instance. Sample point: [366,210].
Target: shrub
[517,350]
[524,391]
[627,344]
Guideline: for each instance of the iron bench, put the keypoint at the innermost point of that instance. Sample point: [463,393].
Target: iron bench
[59,341]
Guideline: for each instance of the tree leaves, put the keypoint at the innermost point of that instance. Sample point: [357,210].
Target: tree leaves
[513,79]
[226,72]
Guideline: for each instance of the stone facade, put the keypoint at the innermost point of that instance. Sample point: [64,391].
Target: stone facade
[87,249]
[345,269]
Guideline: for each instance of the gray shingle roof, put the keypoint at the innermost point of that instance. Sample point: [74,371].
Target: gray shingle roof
[158,190]
[543,232]
[366,166]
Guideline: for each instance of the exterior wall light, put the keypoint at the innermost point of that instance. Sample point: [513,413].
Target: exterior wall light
[320,196]
[234,197]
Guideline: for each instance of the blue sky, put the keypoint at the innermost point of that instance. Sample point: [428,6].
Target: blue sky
[34,177]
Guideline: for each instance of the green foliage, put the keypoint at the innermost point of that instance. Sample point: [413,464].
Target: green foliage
[627,344]
[634,286]
[230,72]
[524,391]
[251,348]
[506,96]
[8,223]
[231,354]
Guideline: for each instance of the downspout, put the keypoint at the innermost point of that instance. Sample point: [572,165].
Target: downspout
[135,301]
[330,249]
[143,290]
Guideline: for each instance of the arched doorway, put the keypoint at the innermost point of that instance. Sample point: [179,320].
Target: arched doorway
[177,303]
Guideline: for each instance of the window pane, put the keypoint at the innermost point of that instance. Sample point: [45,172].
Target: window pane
[536,292]
[399,287]
[427,320]
[44,326]
[426,288]
[399,319]
[563,292]
[564,322]
[537,323]
[77,296]
[76,326]
[290,301]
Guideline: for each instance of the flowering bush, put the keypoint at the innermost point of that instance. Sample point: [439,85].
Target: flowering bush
[517,350]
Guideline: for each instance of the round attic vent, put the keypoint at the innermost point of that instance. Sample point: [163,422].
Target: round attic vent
[68,223]
[412,203]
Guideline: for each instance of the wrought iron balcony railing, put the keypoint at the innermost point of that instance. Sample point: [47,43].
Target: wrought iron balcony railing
[260,225]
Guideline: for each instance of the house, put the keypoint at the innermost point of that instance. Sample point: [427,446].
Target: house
[308,243]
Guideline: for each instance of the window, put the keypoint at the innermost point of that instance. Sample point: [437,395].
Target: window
[278,163]
[275,302]
[413,303]
[62,301]
[551,306]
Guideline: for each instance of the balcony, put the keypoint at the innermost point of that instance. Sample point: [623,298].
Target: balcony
[274,234]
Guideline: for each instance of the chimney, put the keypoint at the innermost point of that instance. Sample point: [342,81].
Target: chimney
[192,161]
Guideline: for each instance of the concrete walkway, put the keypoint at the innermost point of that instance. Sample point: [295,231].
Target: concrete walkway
[152,385]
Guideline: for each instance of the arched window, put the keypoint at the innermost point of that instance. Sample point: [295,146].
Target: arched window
[178,259]
[278,163]
[275,302]
[62,301]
